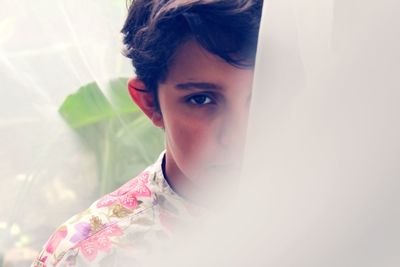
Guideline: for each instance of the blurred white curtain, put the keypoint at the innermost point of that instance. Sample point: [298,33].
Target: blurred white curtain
[48,49]
[323,158]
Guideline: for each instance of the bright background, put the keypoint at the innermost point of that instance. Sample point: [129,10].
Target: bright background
[56,163]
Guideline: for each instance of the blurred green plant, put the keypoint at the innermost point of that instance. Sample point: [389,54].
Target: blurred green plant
[123,140]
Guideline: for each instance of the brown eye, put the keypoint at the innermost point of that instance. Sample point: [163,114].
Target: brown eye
[200,100]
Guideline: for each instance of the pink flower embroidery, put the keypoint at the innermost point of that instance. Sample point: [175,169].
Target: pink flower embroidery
[127,194]
[55,239]
[98,242]
[41,262]
[82,231]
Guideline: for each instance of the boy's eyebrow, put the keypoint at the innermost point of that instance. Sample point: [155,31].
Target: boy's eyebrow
[198,85]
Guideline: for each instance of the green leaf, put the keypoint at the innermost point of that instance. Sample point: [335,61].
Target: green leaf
[122,138]
[120,98]
[87,106]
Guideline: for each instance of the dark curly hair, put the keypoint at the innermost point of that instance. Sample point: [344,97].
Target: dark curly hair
[154,29]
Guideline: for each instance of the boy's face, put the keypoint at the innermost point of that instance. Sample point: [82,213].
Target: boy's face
[204,106]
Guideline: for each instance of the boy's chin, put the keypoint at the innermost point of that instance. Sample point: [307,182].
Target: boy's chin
[217,178]
[216,189]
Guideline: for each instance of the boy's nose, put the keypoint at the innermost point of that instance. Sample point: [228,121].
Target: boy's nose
[233,130]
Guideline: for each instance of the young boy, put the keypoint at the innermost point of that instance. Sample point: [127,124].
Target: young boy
[194,64]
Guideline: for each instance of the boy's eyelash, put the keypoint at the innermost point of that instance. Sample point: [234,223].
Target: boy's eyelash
[191,97]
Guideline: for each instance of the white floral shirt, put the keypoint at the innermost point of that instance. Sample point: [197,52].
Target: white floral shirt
[122,226]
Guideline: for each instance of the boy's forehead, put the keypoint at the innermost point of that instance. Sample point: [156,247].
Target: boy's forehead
[194,63]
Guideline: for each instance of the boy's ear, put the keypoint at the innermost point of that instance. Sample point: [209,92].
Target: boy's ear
[145,100]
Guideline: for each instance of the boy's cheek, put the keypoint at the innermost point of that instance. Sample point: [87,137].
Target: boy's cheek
[194,141]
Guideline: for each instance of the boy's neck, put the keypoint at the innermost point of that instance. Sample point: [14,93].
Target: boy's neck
[179,183]
[185,188]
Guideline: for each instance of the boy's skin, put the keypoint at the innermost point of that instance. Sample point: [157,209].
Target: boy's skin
[204,104]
